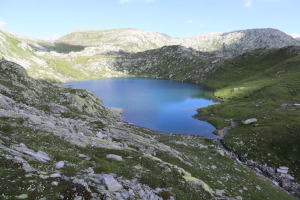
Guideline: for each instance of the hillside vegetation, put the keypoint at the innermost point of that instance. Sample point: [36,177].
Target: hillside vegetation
[263,84]
[85,54]
[62,141]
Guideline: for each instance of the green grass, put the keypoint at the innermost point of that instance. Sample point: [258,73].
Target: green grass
[228,175]
[260,91]
[255,85]
[67,69]
[14,183]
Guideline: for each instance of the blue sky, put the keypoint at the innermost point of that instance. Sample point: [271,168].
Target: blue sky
[177,18]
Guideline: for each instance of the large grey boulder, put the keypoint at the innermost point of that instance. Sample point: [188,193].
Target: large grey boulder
[114,157]
[112,184]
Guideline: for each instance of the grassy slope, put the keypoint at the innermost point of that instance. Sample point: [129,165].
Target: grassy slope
[256,85]
[228,175]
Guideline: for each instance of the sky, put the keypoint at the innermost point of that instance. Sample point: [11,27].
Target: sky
[178,18]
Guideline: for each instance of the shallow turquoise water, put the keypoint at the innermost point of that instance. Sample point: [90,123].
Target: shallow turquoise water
[161,105]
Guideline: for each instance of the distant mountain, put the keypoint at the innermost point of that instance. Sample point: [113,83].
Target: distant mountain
[127,39]
[298,38]
[236,42]
[86,54]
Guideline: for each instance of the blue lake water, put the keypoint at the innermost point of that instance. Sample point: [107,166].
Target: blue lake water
[160,105]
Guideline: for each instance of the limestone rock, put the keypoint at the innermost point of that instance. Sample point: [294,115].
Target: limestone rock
[100,135]
[219,192]
[114,157]
[59,164]
[220,152]
[55,175]
[22,196]
[112,184]
[90,171]
[283,170]
[27,168]
[54,183]
[40,155]
[249,121]
[43,176]
[289,177]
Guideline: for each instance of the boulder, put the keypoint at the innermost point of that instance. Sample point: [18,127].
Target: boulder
[220,152]
[59,165]
[112,184]
[113,157]
[219,192]
[54,183]
[56,175]
[283,170]
[100,135]
[27,168]
[90,171]
[249,121]
[22,196]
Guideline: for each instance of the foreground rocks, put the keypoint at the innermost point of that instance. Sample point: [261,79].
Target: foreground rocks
[280,175]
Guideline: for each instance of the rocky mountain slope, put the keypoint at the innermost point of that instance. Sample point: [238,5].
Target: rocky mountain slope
[60,142]
[236,42]
[93,54]
[54,140]
[126,39]
[170,62]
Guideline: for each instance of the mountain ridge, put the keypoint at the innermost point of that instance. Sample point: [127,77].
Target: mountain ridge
[46,60]
[201,42]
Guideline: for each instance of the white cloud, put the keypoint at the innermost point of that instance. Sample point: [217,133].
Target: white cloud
[295,35]
[189,21]
[248,4]
[131,1]
[2,23]
[202,25]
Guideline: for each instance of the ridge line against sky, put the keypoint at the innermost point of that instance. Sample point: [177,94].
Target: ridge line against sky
[182,18]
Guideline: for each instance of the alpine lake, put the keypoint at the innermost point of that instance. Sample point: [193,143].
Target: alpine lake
[160,105]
